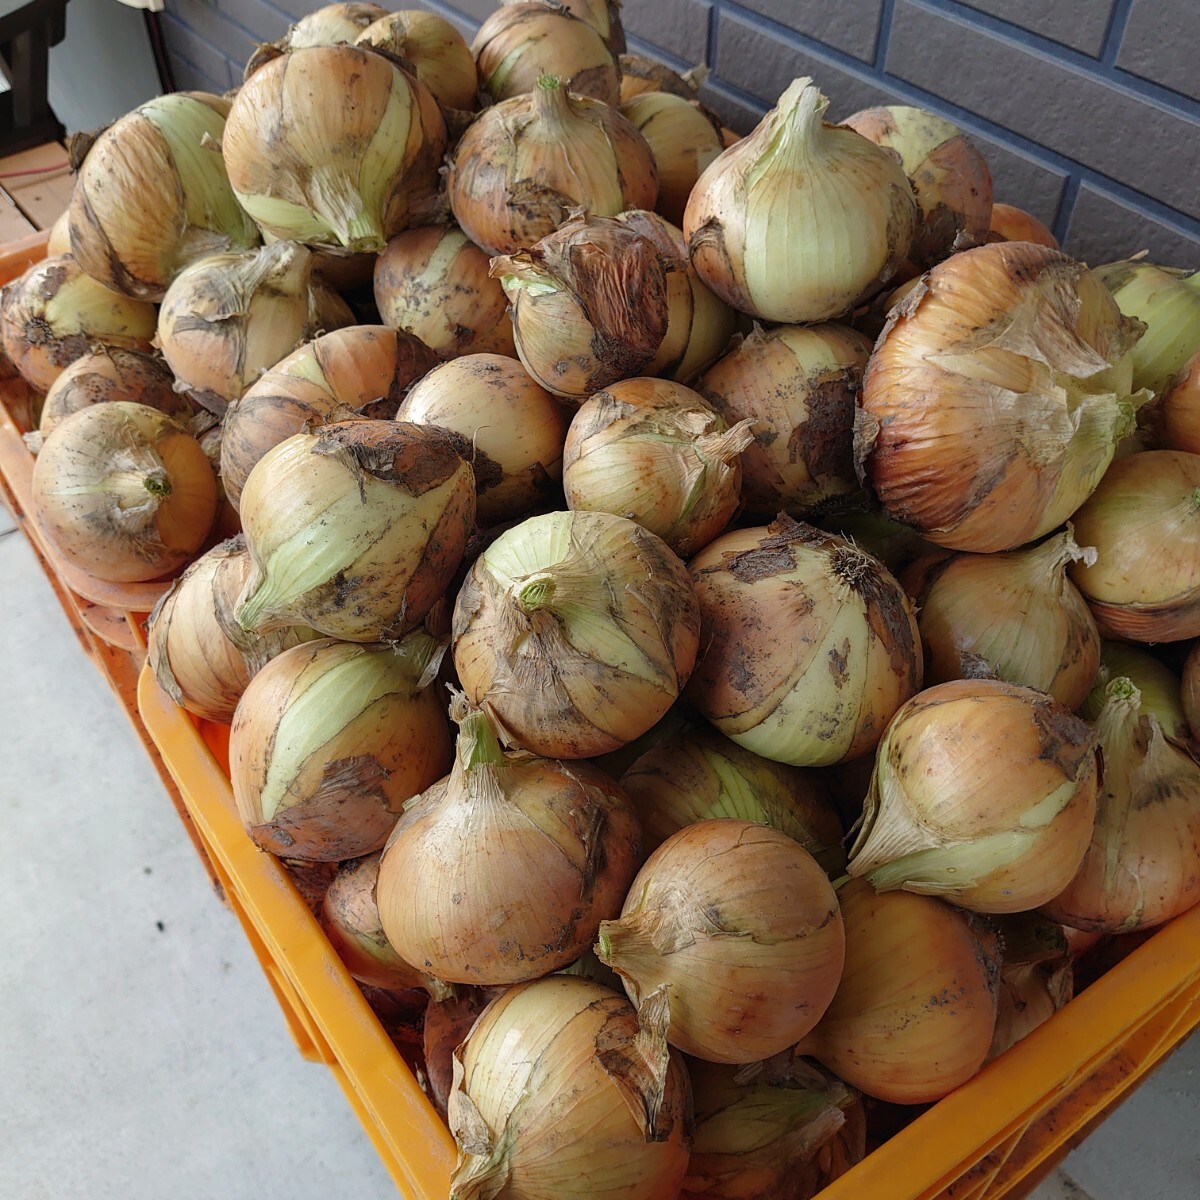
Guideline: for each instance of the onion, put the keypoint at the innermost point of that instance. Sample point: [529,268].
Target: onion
[798,384]
[334,146]
[527,162]
[1144,521]
[355,529]
[992,404]
[58,240]
[1159,686]
[447,1023]
[1143,865]
[1189,697]
[562,1090]
[503,871]
[432,49]
[330,25]
[359,371]
[1179,409]
[575,632]
[983,793]
[741,927]
[895,545]
[202,658]
[915,1011]
[54,314]
[1011,616]
[846,202]
[434,284]
[123,492]
[640,74]
[1009,224]
[511,431]
[330,739]
[809,645]
[604,16]
[1036,978]
[152,196]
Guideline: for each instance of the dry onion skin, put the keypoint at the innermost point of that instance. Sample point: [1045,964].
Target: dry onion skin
[798,384]
[355,529]
[502,872]
[993,402]
[124,492]
[434,283]
[357,371]
[575,632]
[640,74]
[604,16]
[809,645]
[330,739]
[1144,521]
[432,49]
[915,1011]
[846,203]
[1036,978]
[447,1023]
[561,1089]
[1179,410]
[741,926]
[202,658]
[511,431]
[335,146]
[152,196]
[1011,224]
[983,793]
[525,163]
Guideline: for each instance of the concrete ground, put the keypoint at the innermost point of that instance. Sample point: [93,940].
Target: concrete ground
[142,1054]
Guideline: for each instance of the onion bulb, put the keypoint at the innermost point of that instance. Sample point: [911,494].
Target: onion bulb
[1010,224]
[525,163]
[434,283]
[1036,977]
[847,204]
[152,196]
[993,403]
[809,645]
[58,240]
[1162,693]
[798,384]
[1189,695]
[432,49]
[1013,616]
[330,739]
[1179,409]
[983,793]
[124,492]
[202,658]
[330,25]
[334,146]
[54,314]
[511,431]
[447,1023]
[1143,865]
[503,871]
[575,632]
[640,74]
[355,529]
[741,926]
[604,16]
[562,1090]
[915,1011]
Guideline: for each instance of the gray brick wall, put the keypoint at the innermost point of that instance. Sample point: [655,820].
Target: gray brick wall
[1088,110]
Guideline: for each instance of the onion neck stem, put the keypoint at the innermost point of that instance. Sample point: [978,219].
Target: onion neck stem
[537,592]
[477,742]
[157,482]
[551,101]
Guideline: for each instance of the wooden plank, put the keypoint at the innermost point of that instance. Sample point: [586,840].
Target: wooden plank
[13,223]
[43,195]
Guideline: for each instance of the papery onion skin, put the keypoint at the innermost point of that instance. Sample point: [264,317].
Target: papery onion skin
[1179,410]
[640,74]
[1036,978]
[434,51]
[447,1023]
[604,16]
[1010,224]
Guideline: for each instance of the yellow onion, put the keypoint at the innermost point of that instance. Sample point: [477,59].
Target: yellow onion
[202,658]
[1010,224]
[562,1090]
[1036,977]
[698,775]
[447,1023]
[330,25]
[1013,616]
[355,529]
[800,221]
[1162,693]
[640,74]
[54,314]
[589,304]
[741,926]
[915,1011]
[58,241]
[434,283]
[655,452]
[798,385]
[993,402]
[575,632]
[1144,521]
[895,545]
[330,739]
[949,177]
[334,146]
[519,43]
[983,793]
[1143,865]
[1189,695]
[503,871]
[808,645]
[358,371]
[152,196]
[604,16]
[524,164]
[227,523]
[509,429]
[432,49]
[1179,410]
[684,138]
[124,492]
